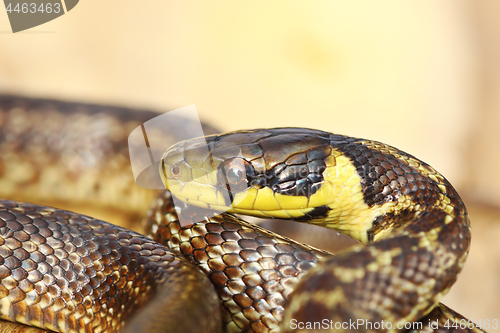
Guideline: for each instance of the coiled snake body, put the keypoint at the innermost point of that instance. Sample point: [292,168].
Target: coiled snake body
[68,272]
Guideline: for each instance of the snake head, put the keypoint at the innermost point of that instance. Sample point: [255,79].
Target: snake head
[268,173]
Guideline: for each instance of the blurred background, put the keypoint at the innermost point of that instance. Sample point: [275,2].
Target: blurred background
[422,76]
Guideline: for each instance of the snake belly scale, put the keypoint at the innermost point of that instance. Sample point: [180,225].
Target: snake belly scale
[69,272]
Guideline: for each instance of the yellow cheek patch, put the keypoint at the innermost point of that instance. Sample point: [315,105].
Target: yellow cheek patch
[267,200]
[204,193]
[290,202]
[245,199]
[349,213]
[323,196]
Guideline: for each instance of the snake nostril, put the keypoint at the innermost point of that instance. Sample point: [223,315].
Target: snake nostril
[175,170]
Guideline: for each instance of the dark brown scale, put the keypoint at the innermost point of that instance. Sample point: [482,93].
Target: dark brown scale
[68,289]
[252,271]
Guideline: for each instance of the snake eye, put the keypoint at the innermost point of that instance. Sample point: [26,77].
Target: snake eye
[234,174]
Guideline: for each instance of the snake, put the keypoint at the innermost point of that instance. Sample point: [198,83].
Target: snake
[196,265]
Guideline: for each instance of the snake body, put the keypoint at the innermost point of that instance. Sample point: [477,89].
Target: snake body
[69,272]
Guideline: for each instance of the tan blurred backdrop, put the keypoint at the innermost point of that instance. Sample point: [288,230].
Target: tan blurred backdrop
[423,76]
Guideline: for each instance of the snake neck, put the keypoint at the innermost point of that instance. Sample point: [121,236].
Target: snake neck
[374,190]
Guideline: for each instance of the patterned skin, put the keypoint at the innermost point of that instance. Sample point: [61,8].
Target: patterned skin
[54,153]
